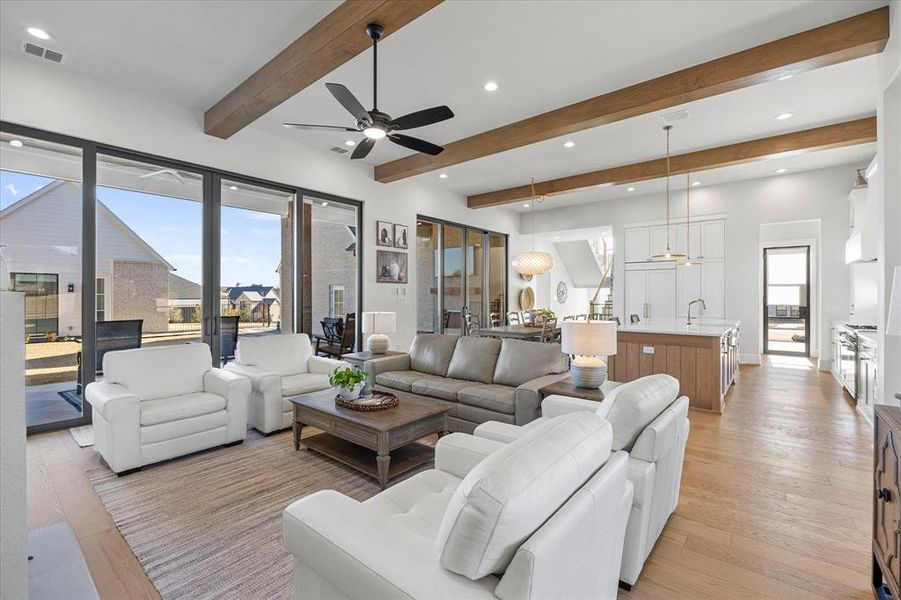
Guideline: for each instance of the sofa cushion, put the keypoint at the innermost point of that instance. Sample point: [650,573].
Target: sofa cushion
[510,494]
[283,354]
[417,503]
[439,387]
[499,398]
[399,380]
[303,383]
[431,353]
[170,430]
[474,359]
[162,372]
[165,410]
[520,361]
[633,406]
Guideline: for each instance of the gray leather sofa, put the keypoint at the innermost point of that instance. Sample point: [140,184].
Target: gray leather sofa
[487,379]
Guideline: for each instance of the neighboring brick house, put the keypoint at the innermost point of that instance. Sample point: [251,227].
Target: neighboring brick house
[334,254]
[43,252]
[260,303]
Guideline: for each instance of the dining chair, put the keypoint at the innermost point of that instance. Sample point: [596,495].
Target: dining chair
[494,319]
[549,330]
[514,318]
[528,317]
[582,317]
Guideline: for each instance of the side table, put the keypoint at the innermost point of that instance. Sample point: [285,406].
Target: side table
[357,359]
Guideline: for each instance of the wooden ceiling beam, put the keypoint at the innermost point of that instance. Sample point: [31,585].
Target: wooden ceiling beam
[330,43]
[849,133]
[837,42]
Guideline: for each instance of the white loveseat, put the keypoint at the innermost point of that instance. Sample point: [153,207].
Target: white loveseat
[651,424]
[541,517]
[279,367]
[158,403]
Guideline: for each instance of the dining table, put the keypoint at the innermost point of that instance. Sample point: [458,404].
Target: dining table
[520,332]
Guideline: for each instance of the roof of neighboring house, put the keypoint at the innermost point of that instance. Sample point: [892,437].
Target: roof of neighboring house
[235,292]
[251,295]
[182,288]
[270,301]
[102,209]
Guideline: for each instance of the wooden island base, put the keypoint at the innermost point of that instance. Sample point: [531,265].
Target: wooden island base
[706,366]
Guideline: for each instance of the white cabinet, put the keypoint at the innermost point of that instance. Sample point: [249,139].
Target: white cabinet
[637,244]
[651,293]
[713,239]
[688,235]
[713,288]
[658,238]
[688,288]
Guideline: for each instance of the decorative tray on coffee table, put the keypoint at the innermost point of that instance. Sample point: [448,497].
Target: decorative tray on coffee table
[377,401]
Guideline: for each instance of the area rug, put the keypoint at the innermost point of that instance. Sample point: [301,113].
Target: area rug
[83,436]
[209,525]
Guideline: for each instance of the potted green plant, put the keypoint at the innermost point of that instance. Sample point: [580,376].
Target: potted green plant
[543,314]
[348,382]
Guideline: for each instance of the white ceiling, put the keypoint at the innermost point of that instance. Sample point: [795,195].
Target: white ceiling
[542,54]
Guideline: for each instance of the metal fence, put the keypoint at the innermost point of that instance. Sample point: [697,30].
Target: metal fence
[189,327]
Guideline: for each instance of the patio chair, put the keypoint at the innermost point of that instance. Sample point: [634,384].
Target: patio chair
[228,338]
[111,335]
[337,347]
[494,319]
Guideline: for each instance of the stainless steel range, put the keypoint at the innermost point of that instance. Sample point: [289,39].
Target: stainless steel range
[849,355]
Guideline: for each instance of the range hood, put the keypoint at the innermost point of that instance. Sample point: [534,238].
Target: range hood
[861,244]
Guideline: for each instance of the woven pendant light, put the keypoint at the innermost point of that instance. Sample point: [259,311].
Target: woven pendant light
[668,254]
[533,262]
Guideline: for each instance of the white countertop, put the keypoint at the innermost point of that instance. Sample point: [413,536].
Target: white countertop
[704,327]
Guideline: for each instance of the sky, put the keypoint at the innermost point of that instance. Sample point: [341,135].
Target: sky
[251,240]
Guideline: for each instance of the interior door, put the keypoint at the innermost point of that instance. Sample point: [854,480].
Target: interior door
[661,294]
[786,300]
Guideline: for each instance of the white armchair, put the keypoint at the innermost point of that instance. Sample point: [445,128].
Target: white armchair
[279,367]
[158,403]
[542,517]
[651,424]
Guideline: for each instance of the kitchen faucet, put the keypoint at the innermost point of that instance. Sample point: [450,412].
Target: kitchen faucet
[703,304]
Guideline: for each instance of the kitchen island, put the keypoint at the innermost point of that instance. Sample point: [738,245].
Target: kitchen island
[703,356]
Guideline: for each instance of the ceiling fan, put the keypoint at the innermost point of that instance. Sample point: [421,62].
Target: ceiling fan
[374,124]
[171,172]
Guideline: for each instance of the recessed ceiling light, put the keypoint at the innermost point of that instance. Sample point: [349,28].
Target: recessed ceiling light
[785,115]
[556,237]
[16,143]
[350,143]
[490,86]
[631,189]
[38,33]
[695,183]
[781,170]
[569,144]
[325,204]
[784,77]
[526,205]
[233,188]
[442,176]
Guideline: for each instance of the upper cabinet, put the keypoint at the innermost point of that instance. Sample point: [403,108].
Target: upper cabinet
[637,243]
[713,239]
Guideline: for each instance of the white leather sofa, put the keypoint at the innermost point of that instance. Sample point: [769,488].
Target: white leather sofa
[651,424]
[158,403]
[542,517]
[279,367]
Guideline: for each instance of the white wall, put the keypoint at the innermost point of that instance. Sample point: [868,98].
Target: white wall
[820,194]
[49,97]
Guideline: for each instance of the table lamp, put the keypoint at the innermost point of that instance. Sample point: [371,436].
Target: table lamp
[588,341]
[378,324]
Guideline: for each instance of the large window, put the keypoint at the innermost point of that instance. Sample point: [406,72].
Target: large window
[457,277]
[110,246]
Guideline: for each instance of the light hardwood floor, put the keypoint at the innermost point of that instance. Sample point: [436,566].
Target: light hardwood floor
[775,499]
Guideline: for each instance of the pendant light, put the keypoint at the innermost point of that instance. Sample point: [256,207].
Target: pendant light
[668,254]
[533,262]
[688,262]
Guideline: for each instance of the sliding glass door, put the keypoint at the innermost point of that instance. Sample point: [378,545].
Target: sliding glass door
[42,247]
[460,271]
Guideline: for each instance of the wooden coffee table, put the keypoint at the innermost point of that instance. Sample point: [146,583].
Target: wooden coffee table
[382,444]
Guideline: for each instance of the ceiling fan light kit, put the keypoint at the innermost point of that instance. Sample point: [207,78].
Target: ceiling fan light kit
[376,125]
[668,254]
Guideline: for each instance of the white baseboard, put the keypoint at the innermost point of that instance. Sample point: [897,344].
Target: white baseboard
[824,364]
[749,359]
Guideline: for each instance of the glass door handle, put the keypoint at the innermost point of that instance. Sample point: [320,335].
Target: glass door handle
[206,326]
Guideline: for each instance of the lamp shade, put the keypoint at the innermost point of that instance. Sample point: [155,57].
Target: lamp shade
[379,322]
[589,338]
[533,262]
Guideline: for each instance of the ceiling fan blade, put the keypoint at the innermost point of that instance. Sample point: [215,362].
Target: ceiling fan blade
[421,118]
[363,148]
[318,127]
[160,172]
[349,102]
[415,144]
